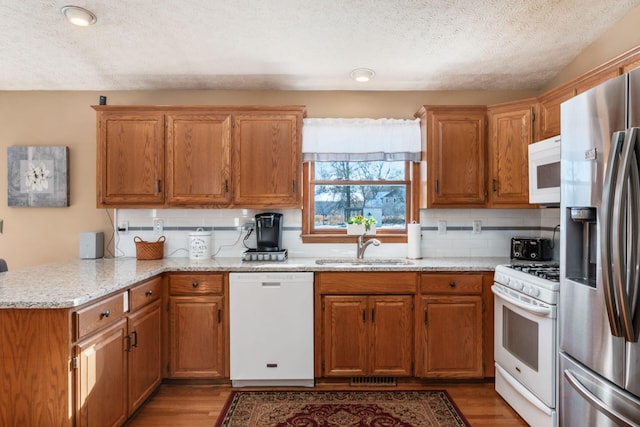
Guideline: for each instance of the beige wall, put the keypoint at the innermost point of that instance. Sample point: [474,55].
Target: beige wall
[39,235]
[623,37]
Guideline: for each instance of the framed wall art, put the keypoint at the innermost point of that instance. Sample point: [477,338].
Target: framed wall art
[38,176]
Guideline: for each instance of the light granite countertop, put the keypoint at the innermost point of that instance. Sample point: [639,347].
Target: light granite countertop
[76,282]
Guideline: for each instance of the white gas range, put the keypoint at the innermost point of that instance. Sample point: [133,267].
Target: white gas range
[526,295]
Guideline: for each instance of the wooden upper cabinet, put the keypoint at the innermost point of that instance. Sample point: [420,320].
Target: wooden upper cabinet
[549,105]
[130,158]
[267,160]
[455,144]
[199,156]
[198,159]
[510,133]
[595,79]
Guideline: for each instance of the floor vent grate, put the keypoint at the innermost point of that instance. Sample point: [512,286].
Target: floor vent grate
[373,381]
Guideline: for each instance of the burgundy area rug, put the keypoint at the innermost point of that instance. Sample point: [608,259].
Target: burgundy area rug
[433,408]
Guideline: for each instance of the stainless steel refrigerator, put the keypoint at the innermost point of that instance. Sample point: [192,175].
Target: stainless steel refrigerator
[599,309]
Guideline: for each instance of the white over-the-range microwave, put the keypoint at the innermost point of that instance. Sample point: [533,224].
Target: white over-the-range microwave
[544,172]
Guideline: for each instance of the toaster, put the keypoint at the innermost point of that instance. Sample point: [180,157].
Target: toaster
[531,248]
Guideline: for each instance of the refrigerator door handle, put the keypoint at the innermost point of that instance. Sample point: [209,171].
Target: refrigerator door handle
[609,187]
[597,403]
[625,243]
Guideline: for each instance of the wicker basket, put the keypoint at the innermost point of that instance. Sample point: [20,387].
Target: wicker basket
[149,250]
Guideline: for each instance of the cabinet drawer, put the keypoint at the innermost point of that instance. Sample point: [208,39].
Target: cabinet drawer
[145,293]
[195,284]
[98,315]
[451,283]
[367,283]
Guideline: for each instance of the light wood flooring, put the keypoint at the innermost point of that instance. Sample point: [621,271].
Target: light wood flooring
[199,405]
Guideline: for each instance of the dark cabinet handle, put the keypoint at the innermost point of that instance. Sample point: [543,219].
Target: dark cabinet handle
[195,284]
[364,316]
[494,184]
[373,315]
[105,313]
[128,346]
[149,292]
[452,284]
[135,339]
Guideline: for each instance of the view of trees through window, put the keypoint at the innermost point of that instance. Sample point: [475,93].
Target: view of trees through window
[371,189]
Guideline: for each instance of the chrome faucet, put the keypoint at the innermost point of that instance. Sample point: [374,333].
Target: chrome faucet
[362,245]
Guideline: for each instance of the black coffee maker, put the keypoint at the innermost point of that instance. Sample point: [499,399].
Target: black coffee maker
[269,232]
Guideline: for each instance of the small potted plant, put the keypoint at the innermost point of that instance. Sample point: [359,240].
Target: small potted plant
[359,225]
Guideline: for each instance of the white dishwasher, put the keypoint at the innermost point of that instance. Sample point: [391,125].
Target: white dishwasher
[271,329]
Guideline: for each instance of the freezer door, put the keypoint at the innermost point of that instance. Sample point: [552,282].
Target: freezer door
[587,400]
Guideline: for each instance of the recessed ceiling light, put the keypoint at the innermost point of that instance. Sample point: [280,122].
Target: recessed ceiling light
[79,16]
[362,74]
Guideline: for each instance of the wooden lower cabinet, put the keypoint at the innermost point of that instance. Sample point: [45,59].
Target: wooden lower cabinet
[450,332]
[197,325]
[119,365]
[367,335]
[144,356]
[102,378]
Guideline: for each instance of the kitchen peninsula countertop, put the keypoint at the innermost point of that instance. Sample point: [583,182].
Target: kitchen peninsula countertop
[75,282]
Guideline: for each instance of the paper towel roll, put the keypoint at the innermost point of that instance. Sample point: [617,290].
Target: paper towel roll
[414,241]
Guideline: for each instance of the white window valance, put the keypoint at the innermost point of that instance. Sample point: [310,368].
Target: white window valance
[360,140]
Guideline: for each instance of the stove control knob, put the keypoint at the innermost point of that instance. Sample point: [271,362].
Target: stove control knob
[518,285]
[533,255]
[534,292]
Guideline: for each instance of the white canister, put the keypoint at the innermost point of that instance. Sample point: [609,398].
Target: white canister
[200,244]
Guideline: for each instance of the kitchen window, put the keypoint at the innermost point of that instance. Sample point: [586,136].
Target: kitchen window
[362,167]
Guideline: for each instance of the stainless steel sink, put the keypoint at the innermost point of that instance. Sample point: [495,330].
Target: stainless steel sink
[363,261]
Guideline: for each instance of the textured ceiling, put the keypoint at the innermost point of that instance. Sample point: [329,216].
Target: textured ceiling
[297,44]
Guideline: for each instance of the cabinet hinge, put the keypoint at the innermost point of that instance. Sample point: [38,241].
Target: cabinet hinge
[425,317]
[74,363]
[219,316]
[293,186]
[533,117]
[323,305]
[437,186]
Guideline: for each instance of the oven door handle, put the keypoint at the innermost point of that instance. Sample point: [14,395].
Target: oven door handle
[540,311]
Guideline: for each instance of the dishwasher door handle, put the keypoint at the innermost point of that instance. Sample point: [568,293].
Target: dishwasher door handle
[271,284]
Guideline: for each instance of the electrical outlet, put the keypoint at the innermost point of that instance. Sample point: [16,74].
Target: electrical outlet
[158,225]
[442,227]
[477,226]
[123,227]
[248,226]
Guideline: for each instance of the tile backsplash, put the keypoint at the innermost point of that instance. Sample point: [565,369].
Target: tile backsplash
[445,232]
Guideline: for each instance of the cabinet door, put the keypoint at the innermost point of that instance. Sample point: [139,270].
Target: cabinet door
[267,160]
[344,335]
[130,159]
[391,332]
[550,111]
[452,337]
[101,388]
[456,156]
[509,138]
[196,337]
[198,159]
[144,355]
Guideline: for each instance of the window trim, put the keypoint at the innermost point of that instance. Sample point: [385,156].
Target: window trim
[413,211]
